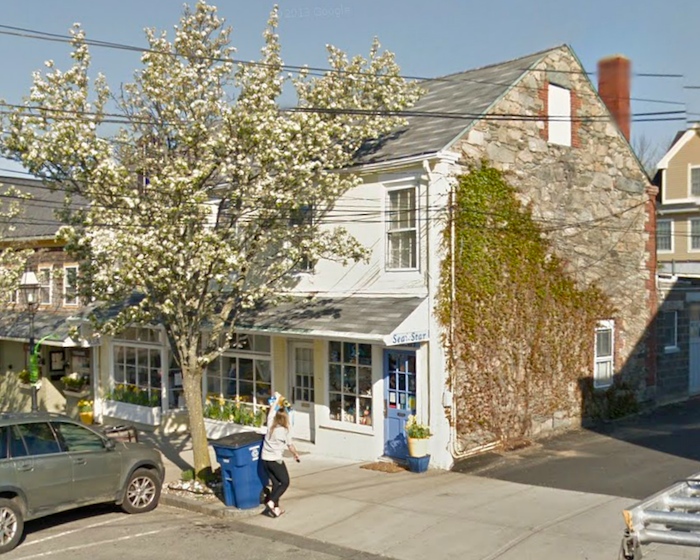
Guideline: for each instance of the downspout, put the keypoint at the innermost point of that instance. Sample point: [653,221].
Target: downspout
[426,167]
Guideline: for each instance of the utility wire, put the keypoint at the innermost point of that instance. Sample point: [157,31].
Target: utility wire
[317,71]
[654,116]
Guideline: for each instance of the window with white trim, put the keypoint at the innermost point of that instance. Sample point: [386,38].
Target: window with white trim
[559,115]
[244,372]
[695,234]
[44,278]
[668,330]
[137,370]
[604,354]
[695,181]
[350,382]
[664,236]
[70,285]
[402,229]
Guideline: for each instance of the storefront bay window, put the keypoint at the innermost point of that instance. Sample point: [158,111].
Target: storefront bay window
[243,373]
[137,374]
[350,382]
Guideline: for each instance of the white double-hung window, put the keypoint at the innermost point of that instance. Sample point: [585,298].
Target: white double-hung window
[604,354]
[694,235]
[402,229]
[70,285]
[664,236]
[695,181]
[44,277]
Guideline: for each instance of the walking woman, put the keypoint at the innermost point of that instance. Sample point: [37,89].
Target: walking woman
[276,439]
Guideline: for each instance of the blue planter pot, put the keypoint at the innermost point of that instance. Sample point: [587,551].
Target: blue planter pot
[418,464]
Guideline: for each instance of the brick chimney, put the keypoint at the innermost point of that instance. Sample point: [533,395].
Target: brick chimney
[614,89]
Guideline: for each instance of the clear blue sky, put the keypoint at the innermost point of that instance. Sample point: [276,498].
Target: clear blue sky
[430,37]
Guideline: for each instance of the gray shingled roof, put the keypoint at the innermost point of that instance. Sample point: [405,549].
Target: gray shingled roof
[16,325]
[376,316]
[37,220]
[469,93]
[354,315]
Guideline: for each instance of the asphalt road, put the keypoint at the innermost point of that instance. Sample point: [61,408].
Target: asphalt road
[633,458]
[103,532]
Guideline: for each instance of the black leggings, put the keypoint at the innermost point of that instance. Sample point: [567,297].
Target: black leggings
[280,479]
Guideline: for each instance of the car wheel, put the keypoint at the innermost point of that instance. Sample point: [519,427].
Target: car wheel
[142,492]
[11,525]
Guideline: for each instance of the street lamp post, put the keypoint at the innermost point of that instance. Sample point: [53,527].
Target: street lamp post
[29,286]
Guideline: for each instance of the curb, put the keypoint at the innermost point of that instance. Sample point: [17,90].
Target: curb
[214,510]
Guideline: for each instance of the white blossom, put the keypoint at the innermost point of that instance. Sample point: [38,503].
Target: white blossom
[191,201]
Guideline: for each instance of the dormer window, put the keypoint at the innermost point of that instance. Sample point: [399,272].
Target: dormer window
[559,115]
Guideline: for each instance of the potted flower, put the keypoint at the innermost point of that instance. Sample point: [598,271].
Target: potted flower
[85,411]
[25,380]
[417,435]
[74,383]
[24,377]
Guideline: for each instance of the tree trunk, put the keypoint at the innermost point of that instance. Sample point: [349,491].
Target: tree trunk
[192,383]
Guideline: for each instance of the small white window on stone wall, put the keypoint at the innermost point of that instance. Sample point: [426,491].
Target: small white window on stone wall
[604,354]
[668,327]
[559,114]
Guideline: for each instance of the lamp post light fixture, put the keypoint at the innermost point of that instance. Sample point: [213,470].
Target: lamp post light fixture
[29,287]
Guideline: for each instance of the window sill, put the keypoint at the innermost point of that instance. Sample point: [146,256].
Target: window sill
[602,387]
[346,427]
[671,349]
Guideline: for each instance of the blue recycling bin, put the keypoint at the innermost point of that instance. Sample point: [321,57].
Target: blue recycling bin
[242,472]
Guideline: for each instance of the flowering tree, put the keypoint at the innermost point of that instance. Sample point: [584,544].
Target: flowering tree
[210,193]
[13,258]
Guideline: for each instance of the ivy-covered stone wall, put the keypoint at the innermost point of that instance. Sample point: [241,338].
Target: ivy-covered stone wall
[590,203]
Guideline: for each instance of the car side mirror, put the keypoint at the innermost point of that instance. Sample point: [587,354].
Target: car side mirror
[109,444]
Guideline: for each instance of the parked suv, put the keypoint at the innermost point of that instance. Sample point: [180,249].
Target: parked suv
[51,463]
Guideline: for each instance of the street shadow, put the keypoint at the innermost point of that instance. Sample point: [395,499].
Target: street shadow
[636,436]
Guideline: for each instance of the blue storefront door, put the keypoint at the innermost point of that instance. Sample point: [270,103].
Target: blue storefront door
[400,399]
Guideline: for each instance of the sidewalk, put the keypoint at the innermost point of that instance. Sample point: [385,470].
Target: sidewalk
[436,514]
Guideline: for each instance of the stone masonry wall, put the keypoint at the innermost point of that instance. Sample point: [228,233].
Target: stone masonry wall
[591,198]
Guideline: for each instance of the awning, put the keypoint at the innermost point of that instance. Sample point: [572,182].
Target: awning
[16,326]
[389,320]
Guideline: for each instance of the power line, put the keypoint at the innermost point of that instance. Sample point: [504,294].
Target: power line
[43,35]
[655,116]
[27,33]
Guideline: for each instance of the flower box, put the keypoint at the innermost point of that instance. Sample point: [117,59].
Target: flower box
[132,412]
[218,428]
[28,386]
[77,393]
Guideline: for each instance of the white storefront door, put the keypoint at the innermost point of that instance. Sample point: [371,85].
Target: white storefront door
[301,368]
